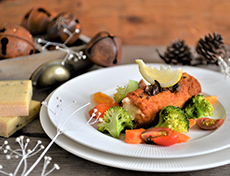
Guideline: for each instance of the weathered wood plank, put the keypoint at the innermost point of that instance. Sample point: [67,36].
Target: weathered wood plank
[23,67]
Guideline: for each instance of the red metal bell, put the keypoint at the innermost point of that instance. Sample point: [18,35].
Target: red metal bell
[15,41]
[62,26]
[104,49]
[37,20]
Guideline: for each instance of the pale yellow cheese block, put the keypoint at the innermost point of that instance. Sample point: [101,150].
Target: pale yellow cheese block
[15,97]
[9,125]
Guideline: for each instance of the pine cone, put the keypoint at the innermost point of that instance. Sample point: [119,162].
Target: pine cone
[210,48]
[177,52]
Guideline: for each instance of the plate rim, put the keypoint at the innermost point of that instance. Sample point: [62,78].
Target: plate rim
[130,154]
[112,160]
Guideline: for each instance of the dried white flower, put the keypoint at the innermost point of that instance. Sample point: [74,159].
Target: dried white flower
[70,54]
[24,152]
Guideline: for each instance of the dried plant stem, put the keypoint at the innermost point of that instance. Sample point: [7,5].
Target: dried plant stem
[59,131]
[43,153]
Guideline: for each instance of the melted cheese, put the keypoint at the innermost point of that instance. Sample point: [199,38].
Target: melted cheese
[131,109]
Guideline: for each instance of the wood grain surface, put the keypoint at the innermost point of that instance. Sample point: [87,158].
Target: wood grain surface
[136,22]
[72,165]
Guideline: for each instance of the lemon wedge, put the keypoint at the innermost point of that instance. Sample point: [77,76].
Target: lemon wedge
[166,77]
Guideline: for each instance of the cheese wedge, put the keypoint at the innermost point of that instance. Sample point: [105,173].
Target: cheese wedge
[9,125]
[15,97]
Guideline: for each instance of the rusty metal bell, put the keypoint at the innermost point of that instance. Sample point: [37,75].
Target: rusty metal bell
[104,49]
[37,20]
[15,41]
[59,28]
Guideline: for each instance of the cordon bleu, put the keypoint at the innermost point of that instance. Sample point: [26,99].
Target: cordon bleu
[144,108]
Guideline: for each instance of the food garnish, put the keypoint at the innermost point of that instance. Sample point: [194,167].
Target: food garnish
[123,91]
[160,135]
[166,77]
[166,140]
[208,123]
[134,136]
[168,121]
[212,99]
[114,121]
[144,107]
[172,98]
[174,118]
[99,110]
[157,135]
[182,137]
[198,107]
[100,97]
[192,122]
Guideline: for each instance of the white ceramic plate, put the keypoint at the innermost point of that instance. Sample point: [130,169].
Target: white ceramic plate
[201,162]
[106,80]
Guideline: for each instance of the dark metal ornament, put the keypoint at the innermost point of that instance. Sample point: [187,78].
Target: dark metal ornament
[37,20]
[62,26]
[57,71]
[15,41]
[104,49]
[50,73]
[54,73]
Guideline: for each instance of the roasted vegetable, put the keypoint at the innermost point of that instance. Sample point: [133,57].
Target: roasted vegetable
[100,97]
[212,99]
[114,121]
[99,110]
[198,107]
[163,136]
[206,123]
[123,91]
[174,118]
[134,136]
[160,135]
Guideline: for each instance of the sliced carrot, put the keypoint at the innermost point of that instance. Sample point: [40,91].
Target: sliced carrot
[115,104]
[100,108]
[192,122]
[100,97]
[134,136]
[212,99]
[182,137]
[141,83]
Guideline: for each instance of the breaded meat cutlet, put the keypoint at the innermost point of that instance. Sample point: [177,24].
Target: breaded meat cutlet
[144,107]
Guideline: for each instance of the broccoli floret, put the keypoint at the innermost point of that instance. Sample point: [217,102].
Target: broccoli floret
[115,120]
[174,118]
[198,107]
[123,91]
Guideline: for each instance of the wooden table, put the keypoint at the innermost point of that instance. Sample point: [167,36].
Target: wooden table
[137,22]
[74,165]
